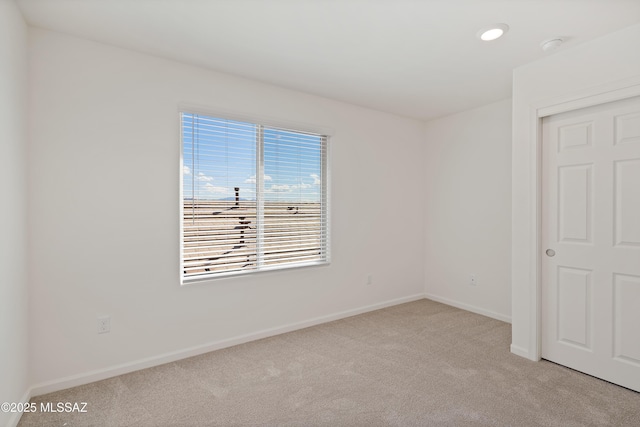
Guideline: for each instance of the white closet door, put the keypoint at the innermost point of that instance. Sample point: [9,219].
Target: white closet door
[591,236]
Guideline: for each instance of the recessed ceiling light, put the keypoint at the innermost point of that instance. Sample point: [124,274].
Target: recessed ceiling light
[492,32]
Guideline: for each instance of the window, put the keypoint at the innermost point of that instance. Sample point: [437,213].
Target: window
[254,197]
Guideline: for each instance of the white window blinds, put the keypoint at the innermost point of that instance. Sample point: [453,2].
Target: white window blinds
[254,197]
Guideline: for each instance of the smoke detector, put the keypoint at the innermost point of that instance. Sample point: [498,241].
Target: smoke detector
[551,44]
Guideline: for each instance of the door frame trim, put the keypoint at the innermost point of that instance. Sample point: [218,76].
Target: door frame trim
[610,92]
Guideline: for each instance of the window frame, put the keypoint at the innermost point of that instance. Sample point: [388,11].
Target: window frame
[324,132]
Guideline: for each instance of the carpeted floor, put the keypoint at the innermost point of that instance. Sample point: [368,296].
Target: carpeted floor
[416,364]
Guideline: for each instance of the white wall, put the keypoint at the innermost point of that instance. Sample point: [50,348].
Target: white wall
[13,189]
[590,67]
[468,209]
[104,212]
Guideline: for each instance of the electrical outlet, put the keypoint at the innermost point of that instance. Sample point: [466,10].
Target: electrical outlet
[369,279]
[104,324]
[472,280]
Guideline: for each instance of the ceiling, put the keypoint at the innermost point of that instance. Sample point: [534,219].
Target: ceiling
[415,58]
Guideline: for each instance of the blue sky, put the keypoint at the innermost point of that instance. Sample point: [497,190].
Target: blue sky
[224,157]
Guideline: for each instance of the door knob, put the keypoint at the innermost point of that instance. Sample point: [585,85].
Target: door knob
[550,252]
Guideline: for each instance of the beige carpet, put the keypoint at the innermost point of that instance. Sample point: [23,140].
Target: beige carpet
[416,364]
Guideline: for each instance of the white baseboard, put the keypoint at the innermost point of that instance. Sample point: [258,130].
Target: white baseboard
[469,307]
[15,417]
[519,351]
[112,371]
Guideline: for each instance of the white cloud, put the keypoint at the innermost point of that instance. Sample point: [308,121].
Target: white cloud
[204,178]
[252,179]
[316,179]
[216,190]
[275,188]
[287,188]
[186,170]
[300,186]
